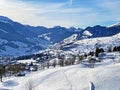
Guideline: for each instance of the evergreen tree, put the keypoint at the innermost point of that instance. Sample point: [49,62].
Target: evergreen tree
[118,48]
[114,49]
[98,51]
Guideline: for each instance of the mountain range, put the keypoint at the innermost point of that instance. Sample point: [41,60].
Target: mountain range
[17,39]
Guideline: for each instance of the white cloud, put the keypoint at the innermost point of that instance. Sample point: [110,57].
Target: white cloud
[49,16]
[29,13]
[52,14]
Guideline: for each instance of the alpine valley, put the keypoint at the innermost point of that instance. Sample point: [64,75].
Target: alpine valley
[17,39]
[59,58]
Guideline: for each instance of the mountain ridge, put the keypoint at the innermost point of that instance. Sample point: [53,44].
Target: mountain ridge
[35,38]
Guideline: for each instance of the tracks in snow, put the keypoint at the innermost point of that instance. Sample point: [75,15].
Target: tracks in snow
[92,86]
[48,76]
[67,79]
[64,72]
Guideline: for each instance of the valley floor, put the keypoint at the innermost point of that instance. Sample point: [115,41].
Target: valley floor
[105,76]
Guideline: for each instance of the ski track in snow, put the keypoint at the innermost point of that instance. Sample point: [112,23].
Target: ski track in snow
[46,77]
[76,77]
[90,80]
[67,78]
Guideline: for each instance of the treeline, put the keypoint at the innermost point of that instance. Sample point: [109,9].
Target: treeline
[63,60]
[11,69]
[116,48]
[110,49]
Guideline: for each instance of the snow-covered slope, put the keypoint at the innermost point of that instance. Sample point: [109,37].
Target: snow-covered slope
[104,42]
[71,39]
[18,48]
[105,76]
[34,38]
[87,33]
[39,38]
[114,25]
[87,45]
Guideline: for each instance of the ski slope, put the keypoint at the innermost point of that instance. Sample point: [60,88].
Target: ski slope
[105,76]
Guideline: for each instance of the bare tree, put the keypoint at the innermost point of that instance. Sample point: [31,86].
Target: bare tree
[29,85]
[91,62]
[48,64]
[54,64]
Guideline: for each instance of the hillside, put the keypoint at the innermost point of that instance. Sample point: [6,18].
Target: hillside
[105,76]
[78,76]
[71,45]
[17,39]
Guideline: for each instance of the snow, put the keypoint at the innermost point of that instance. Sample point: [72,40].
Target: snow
[15,51]
[26,61]
[39,42]
[70,39]
[76,47]
[19,50]
[116,24]
[88,45]
[87,33]
[3,41]
[45,36]
[3,31]
[10,83]
[20,44]
[105,76]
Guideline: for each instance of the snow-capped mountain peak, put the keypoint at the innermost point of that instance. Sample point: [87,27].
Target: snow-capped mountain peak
[114,25]
[38,38]
[87,33]
[5,19]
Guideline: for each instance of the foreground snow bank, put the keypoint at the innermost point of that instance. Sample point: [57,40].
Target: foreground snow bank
[76,77]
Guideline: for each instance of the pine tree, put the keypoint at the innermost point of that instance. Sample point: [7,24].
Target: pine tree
[97,52]
[115,49]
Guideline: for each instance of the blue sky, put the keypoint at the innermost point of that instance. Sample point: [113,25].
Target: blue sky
[49,13]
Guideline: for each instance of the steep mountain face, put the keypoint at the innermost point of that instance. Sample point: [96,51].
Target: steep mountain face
[17,39]
[75,47]
[101,31]
[55,34]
